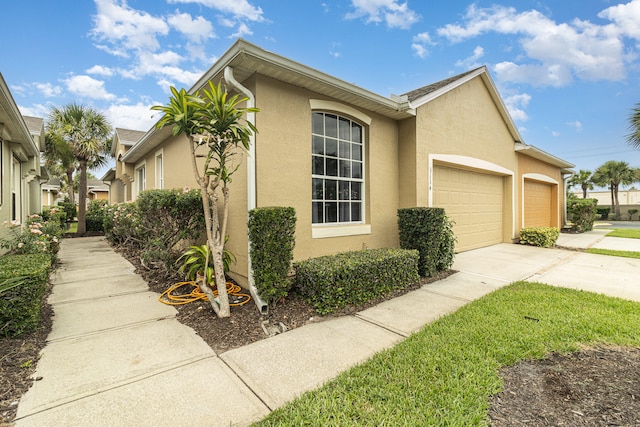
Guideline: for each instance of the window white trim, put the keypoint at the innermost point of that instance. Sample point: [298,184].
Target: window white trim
[321,231]
[139,185]
[321,104]
[159,169]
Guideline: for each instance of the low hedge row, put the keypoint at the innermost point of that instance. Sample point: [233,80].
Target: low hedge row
[20,306]
[352,278]
[545,237]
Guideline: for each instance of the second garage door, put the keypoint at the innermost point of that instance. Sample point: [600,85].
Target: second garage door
[474,201]
[537,204]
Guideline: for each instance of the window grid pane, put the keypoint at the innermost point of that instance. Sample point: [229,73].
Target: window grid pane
[337,164]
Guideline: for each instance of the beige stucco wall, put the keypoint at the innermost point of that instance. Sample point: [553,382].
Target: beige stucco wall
[283,147]
[530,166]
[465,122]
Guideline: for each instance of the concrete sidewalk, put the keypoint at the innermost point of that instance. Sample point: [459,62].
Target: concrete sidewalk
[116,356]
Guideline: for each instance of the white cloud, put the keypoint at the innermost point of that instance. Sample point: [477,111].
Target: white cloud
[470,62]
[138,116]
[48,90]
[515,105]
[241,9]
[100,70]
[577,125]
[556,53]
[36,110]
[243,30]
[392,12]
[626,17]
[555,134]
[88,87]
[420,43]
[196,30]
[126,28]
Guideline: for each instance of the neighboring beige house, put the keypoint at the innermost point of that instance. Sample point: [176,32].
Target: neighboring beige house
[51,193]
[119,179]
[346,159]
[21,172]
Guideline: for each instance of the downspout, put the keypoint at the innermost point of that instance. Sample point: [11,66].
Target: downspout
[263,307]
[565,180]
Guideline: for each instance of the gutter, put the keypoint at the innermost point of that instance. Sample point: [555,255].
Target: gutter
[263,307]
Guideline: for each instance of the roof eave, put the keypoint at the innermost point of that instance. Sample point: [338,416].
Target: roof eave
[23,136]
[536,153]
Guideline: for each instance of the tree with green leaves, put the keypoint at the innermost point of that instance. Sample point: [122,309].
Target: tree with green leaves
[634,125]
[613,174]
[60,161]
[87,134]
[215,126]
[583,179]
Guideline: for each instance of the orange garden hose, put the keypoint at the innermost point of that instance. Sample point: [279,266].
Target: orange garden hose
[170,297]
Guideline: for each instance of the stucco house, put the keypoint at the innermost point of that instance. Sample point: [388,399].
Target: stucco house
[346,158]
[21,141]
[119,179]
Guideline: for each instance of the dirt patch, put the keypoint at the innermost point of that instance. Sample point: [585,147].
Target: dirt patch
[594,387]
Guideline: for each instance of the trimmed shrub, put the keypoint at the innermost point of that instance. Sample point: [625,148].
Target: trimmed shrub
[155,223]
[430,232]
[582,214]
[353,278]
[545,237]
[96,212]
[603,212]
[20,305]
[69,209]
[272,235]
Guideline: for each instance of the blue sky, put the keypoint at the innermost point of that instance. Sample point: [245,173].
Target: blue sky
[568,70]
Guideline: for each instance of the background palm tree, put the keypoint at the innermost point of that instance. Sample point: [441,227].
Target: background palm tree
[60,161]
[613,174]
[583,179]
[88,136]
[634,125]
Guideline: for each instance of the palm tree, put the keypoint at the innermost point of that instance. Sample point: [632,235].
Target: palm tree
[59,160]
[613,174]
[634,125]
[584,179]
[87,134]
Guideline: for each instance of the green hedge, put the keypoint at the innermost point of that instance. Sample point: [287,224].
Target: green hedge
[272,237]
[582,213]
[603,212]
[429,231]
[96,213]
[20,306]
[545,237]
[353,278]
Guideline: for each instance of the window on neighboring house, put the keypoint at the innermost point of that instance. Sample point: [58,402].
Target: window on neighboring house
[159,172]
[337,170]
[141,182]
[16,190]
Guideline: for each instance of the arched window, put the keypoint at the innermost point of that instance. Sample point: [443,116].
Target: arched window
[337,169]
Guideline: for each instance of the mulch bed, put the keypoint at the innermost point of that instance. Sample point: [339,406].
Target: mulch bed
[594,387]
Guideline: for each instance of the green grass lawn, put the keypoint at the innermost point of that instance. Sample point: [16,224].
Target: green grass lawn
[630,233]
[445,374]
[73,228]
[612,252]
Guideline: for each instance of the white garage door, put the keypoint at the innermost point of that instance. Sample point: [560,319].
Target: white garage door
[474,201]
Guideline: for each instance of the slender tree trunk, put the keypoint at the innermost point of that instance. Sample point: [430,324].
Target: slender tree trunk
[82,199]
[70,185]
[617,202]
[613,200]
[584,191]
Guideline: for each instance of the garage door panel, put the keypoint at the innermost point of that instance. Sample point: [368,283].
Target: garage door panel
[537,204]
[474,201]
